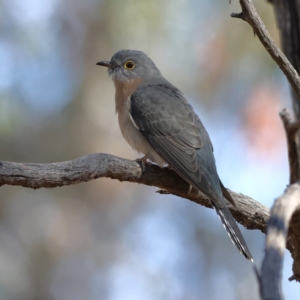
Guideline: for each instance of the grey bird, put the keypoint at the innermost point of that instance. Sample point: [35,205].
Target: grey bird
[157,120]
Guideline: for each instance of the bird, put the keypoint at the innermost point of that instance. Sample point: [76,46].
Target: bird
[156,120]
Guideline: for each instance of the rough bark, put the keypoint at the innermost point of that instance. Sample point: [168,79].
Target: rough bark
[284,224]
[248,212]
[288,20]
[281,214]
[283,227]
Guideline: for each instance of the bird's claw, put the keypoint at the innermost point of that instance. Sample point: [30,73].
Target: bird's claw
[143,161]
[168,167]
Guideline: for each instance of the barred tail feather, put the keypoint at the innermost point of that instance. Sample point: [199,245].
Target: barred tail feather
[233,231]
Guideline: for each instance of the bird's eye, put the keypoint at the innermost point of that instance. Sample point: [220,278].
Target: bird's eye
[129,65]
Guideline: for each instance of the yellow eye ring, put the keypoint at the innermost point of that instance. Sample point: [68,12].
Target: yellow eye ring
[129,65]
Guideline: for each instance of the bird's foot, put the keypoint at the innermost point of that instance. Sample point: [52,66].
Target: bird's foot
[168,167]
[143,161]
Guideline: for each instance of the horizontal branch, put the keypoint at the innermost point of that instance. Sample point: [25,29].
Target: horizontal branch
[248,212]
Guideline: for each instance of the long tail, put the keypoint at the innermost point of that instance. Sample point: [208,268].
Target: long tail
[233,231]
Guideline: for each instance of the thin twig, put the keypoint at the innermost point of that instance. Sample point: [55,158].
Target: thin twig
[250,15]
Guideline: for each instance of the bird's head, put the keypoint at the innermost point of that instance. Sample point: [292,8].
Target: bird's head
[128,65]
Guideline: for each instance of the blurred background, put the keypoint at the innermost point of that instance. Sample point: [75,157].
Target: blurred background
[110,240]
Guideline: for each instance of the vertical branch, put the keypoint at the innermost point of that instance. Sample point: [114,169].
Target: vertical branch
[285,214]
[287,13]
[292,137]
[281,214]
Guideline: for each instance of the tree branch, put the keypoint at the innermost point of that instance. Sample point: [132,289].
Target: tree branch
[281,215]
[248,212]
[291,129]
[287,14]
[250,15]
[292,135]
[285,215]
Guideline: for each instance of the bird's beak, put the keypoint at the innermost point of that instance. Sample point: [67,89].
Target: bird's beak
[106,64]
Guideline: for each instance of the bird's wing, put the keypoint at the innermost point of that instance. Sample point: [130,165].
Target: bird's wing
[172,128]
[176,133]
